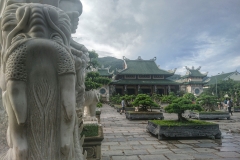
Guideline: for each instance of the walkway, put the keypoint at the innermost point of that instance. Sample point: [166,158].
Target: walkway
[129,140]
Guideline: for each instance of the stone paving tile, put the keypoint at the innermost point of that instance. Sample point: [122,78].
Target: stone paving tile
[204,156]
[110,143]
[188,141]
[125,158]
[115,139]
[183,146]
[112,153]
[121,147]
[143,147]
[153,157]
[207,145]
[151,138]
[179,156]
[205,150]
[171,146]
[159,151]
[159,146]
[105,148]
[149,142]
[184,150]
[229,145]
[130,143]
[106,158]
[228,149]
[206,141]
[228,154]
[136,139]
[136,152]
[126,139]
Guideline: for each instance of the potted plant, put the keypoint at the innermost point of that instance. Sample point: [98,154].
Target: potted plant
[143,102]
[208,102]
[183,127]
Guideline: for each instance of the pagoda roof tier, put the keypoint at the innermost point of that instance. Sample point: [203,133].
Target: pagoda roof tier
[105,71]
[143,67]
[144,82]
[191,72]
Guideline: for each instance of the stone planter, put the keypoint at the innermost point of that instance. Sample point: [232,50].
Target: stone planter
[209,115]
[132,115]
[190,131]
[236,109]
[126,109]
[93,145]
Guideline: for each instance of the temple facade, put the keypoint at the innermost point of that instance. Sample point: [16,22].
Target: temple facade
[192,81]
[142,76]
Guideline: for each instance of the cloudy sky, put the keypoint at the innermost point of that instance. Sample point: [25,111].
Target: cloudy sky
[178,32]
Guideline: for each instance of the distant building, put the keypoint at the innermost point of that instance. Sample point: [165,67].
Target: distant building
[192,81]
[235,76]
[143,76]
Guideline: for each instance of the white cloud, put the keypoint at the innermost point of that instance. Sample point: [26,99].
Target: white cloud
[179,33]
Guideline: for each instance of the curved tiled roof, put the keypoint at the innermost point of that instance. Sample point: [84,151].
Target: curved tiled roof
[143,67]
[104,72]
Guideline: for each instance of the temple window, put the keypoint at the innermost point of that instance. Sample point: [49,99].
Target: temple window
[144,76]
[130,77]
[158,77]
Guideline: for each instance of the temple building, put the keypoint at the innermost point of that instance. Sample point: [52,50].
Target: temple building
[213,80]
[192,81]
[143,76]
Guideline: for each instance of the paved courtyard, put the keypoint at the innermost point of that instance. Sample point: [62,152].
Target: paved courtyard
[129,140]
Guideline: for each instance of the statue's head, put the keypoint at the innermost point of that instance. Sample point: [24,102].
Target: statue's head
[74,9]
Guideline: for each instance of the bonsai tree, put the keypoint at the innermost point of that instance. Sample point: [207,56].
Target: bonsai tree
[207,102]
[128,99]
[144,101]
[181,104]
[93,63]
[189,96]
[116,99]
[156,98]
[93,80]
[169,98]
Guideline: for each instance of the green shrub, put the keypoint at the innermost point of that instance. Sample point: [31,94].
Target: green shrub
[90,130]
[144,101]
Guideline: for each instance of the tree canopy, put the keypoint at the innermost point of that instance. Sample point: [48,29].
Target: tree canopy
[207,101]
[144,101]
[180,105]
[93,80]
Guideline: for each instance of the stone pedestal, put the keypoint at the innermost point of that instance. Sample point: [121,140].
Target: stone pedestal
[209,115]
[93,145]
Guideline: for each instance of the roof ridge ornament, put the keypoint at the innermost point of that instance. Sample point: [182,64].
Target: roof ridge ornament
[154,59]
[198,68]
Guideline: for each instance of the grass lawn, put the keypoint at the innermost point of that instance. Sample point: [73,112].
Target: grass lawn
[178,123]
